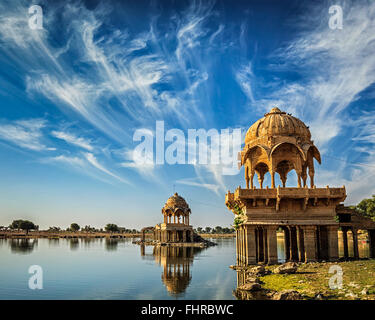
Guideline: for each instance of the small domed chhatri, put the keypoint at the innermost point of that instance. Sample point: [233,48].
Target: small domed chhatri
[176,226]
[279,143]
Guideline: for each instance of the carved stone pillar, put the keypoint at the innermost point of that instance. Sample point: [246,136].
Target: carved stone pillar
[260,247]
[355,243]
[345,242]
[272,179]
[293,244]
[250,245]
[304,175]
[310,243]
[333,249]
[243,243]
[237,246]
[301,244]
[371,238]
[286,243]
[265,245]
[272,244]
[240,246]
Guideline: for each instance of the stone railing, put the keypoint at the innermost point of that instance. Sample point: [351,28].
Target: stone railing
[270,193]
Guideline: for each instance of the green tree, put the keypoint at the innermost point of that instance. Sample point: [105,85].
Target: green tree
[74,227]
[23,225]
[54,229]
[366,207]
[199,229]
[226,230]
[218,229]
[111,227]
[208,229]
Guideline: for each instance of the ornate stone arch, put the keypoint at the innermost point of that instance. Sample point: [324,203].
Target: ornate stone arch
[285,157]
[254,156]
[143,230]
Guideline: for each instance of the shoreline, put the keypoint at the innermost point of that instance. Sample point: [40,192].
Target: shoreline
[85,235]
[309,281]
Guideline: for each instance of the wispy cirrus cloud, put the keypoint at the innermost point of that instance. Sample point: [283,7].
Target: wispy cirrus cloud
[120,79]
[25,134]
[94,162]
[195,182]
[85,163]
[73,139]
[132,77]
[73,161]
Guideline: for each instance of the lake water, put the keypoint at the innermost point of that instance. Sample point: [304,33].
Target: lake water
[118,269]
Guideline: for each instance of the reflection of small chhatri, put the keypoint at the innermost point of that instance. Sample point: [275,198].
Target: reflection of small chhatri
[309,217]
[176,262]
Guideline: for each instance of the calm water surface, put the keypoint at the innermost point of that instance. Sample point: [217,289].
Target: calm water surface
[116,269]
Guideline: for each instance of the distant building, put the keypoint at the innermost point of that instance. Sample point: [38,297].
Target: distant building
[176,227]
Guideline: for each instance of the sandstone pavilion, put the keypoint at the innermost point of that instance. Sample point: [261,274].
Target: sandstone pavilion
[176,227]
[309,217]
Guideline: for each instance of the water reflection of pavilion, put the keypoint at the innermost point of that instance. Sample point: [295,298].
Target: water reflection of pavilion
[176,262]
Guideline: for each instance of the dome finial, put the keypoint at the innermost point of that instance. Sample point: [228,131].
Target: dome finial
[275,110]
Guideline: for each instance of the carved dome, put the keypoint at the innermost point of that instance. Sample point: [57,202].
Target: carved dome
[278,123]
[279,143]
[175,203]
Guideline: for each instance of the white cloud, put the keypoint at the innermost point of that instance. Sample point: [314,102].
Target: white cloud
[25,133]
[73,139]
[195,183]
[94,162]
[243,77]
[72,161]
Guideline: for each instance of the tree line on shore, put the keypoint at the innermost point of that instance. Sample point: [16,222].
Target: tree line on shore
[27,225]
[216,230]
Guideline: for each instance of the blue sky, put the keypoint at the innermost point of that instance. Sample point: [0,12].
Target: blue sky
[73,94]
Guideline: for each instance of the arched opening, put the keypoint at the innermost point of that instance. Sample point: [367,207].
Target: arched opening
[290,244]
[261,169]
[282,168]
[167,216]
[286,157]
[363,244]
[354,243]
[256,155]
[146,229]
[179,236]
